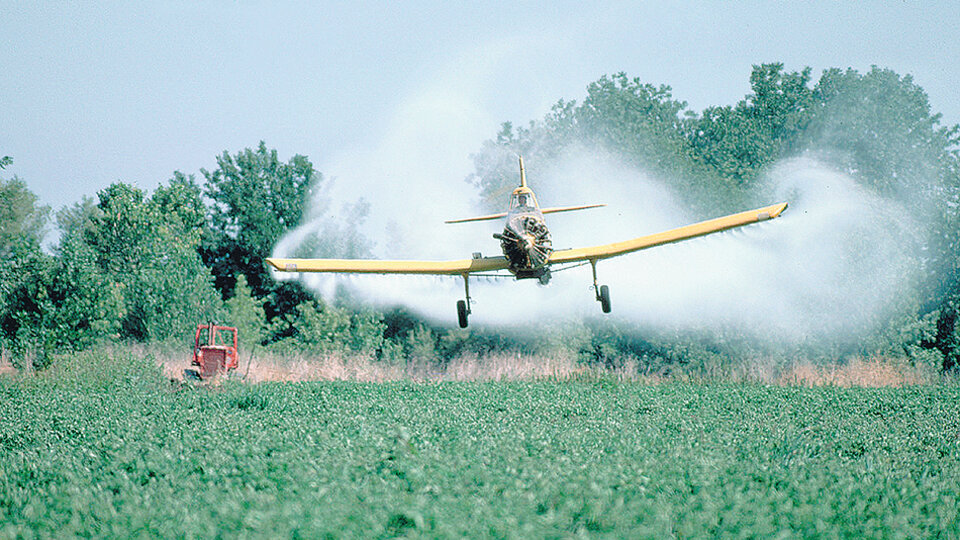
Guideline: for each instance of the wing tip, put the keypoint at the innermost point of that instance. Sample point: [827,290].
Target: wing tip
[278,264]
[771,211]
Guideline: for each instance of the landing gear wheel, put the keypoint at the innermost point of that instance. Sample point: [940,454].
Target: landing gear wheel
[462,313]
[605,298]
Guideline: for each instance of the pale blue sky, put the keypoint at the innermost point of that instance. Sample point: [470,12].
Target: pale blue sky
[94,92]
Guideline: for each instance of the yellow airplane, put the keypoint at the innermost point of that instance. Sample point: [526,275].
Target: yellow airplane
[527,248]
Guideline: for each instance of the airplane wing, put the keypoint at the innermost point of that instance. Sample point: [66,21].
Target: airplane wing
[368,266]
[606,251]
[569,208]
[543,211]
[479,218]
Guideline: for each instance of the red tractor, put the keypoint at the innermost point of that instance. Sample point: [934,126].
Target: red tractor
[214,351]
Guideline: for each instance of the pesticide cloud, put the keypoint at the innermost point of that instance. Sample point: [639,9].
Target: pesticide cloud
[834,264]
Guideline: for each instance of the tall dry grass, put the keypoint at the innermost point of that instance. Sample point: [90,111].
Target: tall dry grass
[6,363]
[862,372]
[271,366]
[264,366]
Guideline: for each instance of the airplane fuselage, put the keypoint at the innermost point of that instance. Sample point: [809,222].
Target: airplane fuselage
[525,241]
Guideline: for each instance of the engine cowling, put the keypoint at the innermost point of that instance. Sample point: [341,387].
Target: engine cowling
[526,242]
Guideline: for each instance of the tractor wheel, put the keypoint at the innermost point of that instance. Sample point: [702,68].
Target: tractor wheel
[605,298]
[462,313]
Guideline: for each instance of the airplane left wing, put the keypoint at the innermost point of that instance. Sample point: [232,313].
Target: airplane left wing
[606,251]
[478,218]
[368,266]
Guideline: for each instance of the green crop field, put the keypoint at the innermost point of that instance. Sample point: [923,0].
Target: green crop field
[96,450]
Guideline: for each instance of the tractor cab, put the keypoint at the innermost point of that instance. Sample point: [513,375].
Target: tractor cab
[214,350]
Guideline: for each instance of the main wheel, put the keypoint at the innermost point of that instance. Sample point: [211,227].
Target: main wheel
[605,298]
[462,313]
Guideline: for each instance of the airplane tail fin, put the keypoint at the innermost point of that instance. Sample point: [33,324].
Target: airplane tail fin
[523,173]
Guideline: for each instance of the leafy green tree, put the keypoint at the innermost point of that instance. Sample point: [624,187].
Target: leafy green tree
[641,121]
[323,330]
[181,202]
[25,305]
[25,271]
[736,143]
[149,246]
[22,219]
[366,332]
[781,102]
[246,313]
[256,198]
[421,346]
[74,219]
[89,304]
[51,303]
[879,127]
[120,233]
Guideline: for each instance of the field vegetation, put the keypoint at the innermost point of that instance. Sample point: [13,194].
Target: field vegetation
[102,444]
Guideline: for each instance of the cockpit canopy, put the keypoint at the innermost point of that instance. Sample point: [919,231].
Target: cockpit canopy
[523,198]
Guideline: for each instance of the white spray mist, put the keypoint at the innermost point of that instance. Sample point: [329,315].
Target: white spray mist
[832,265]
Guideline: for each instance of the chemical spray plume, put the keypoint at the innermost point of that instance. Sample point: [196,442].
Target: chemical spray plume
[833,265]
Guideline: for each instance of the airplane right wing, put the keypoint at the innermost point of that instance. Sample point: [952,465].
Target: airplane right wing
[372,266]
[478,218]
[595,253]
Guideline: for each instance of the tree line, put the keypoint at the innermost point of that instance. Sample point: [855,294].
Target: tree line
[130,265]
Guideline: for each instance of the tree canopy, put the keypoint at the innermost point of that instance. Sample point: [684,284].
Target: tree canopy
[255,199]
[134,265]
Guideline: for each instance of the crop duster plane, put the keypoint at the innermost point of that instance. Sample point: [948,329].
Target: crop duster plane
[527,248]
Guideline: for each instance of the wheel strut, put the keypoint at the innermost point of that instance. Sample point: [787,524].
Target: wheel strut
[602,292]
[596,288]
[463,306]
[466,290]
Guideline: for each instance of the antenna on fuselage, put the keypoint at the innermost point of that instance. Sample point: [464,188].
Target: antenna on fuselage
[523,174]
